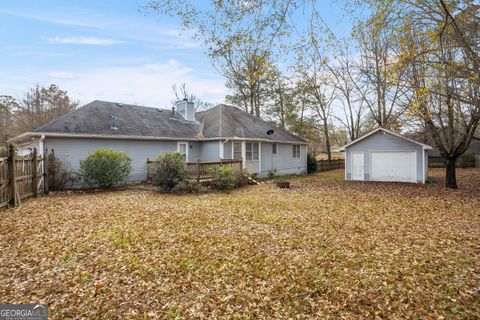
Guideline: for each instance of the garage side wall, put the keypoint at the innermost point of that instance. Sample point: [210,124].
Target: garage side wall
[382,142]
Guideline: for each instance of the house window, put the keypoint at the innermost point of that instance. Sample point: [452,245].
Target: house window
[296,151]
[183,149]
[251,152]
[274,148]
[237,150]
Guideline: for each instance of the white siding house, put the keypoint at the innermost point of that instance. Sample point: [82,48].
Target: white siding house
[222,132]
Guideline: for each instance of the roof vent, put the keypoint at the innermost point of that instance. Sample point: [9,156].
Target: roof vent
[121,105]
[270,132]
[114,125]
[159,110]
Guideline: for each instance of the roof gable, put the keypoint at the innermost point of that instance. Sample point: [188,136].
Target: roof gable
[427,147]
[228,121]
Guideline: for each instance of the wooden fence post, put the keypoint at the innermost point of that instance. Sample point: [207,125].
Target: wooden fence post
[198,170]
[45,172]
[34,173]
[148,170]
[12,176]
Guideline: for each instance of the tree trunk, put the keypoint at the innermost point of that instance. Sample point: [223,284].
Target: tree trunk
[252,107]
[327,140]
[451,174]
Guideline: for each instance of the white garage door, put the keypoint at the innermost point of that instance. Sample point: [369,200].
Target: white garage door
[393,166]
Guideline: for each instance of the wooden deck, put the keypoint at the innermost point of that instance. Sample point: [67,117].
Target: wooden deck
[200,170]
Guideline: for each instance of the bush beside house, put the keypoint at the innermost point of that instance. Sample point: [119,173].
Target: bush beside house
[312,164]
[169,172]
[224,179]
[105,169]
[58,173]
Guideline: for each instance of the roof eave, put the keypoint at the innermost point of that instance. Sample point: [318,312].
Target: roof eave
[425,146]
[27,135]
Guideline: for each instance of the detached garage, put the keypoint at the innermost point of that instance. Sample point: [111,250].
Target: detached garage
[383,155]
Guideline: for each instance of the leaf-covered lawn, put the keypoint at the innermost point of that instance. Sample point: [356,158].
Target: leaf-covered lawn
[325,248]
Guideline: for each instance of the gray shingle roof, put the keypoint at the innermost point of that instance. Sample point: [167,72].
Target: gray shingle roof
[229,122]
[220,121]
[96,118]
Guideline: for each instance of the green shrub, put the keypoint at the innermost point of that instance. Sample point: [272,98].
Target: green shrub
[466,160]
[189,186]
[169,171]
[58,172]
[241,177]
[312,164]
[105,168]
[224,179]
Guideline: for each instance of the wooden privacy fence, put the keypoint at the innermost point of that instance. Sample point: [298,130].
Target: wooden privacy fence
[20,177]
[440,162]
[200,170]
[325,165]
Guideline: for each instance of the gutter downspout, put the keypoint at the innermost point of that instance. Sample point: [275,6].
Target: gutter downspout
[222,148]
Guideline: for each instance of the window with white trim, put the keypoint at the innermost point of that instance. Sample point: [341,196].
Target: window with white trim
[237,150]
[252,151]
[296,151]
[274,148]
[183,149]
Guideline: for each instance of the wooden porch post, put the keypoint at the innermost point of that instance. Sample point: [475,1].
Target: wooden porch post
[12,176]
[34,173]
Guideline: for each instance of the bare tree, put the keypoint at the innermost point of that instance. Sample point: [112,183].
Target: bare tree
[7,124]
[41,105]
[182,92]
[318,87]
[247,65]
[383,87]
[239,37]
[350,96]
[444,77]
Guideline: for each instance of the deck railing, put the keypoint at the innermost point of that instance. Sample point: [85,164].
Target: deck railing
[200,170]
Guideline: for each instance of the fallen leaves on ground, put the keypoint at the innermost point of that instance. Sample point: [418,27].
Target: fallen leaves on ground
[324,249]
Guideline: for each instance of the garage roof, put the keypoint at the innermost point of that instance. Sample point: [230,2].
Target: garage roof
[426,147]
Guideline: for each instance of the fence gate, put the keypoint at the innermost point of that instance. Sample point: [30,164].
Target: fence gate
[21,177]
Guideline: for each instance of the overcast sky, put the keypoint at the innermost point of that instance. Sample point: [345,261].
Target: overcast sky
[106,50]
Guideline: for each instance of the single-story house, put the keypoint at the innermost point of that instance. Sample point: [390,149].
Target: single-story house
[221,132]
[383,155]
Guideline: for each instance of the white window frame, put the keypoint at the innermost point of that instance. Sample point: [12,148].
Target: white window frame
[296,154]
[186,148]
[252,153]
[275,147]
[241,150]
